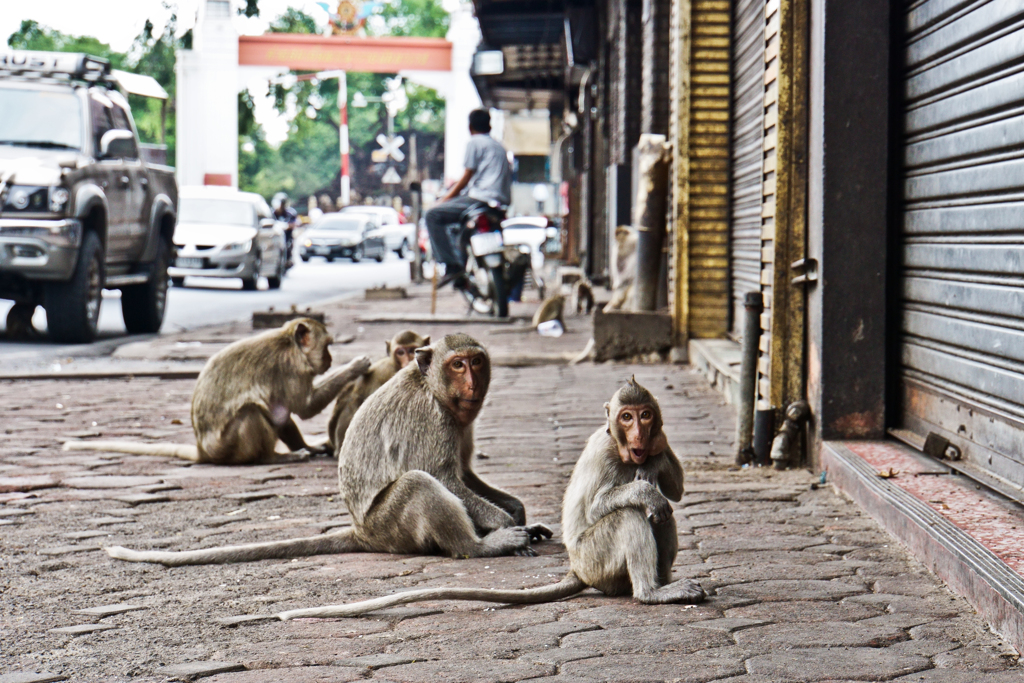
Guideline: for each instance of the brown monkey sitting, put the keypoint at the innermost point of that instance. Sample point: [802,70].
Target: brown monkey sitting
[246,394]
[405,473]
[617,521]
[401,351]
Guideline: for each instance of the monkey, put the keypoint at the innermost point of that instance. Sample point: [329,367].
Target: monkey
[583,296]
[405,473]
[246,394]
[624,273]
[550,309]
[617,520]
[400,350]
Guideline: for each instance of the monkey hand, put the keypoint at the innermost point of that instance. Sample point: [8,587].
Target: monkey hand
[658,509]
[538,532]
[360,365]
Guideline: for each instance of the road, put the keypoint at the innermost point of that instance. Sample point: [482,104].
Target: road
[208,301]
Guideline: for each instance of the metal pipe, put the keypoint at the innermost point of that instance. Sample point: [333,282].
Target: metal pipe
[796,414]
[764,427]
[649,217]
[753,305]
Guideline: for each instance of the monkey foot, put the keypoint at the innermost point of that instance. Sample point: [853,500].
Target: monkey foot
[513,540]
[538,532]
[684,591]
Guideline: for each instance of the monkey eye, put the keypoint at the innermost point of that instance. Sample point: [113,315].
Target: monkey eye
[400,352]
[458,365]
[627,417]
[646,415]
[478,361]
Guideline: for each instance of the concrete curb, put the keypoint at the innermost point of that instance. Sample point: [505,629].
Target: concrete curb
[967,567]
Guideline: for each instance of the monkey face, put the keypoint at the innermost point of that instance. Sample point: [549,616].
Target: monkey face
[468,375]
[634,426]
[404,355]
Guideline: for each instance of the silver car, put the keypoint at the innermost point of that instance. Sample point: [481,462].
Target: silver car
[222,232]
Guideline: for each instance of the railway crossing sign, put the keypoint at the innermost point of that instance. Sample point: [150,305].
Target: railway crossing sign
[391,146]
[391,176]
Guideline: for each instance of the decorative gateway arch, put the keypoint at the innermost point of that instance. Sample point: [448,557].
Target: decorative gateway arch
[215,70]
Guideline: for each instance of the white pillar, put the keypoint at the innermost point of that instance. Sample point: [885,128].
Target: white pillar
[207,98]
[461,96]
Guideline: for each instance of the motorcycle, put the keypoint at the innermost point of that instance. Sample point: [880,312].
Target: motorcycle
[495,269]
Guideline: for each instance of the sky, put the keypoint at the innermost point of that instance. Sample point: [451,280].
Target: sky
[118,22]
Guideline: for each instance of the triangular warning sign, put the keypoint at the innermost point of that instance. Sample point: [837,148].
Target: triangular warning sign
[391,176]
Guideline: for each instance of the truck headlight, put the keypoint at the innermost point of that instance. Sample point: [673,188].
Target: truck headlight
[59,199]
[27,198]
[237,247]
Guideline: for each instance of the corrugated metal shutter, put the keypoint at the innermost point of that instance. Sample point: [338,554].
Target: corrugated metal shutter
[746,152]
[962,279]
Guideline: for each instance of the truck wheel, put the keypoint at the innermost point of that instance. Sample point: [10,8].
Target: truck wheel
[357,254]
[178,281]
[403,251]
[143,306]
[274,281]
[73,307]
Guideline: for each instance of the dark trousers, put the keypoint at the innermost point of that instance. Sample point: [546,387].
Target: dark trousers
[443,226]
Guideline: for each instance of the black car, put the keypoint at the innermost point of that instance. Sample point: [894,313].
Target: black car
[337,235]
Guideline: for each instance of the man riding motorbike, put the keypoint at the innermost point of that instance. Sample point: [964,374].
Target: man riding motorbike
[487,179]
[288,216]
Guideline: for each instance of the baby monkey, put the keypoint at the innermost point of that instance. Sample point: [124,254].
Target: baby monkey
[617,520]
[401,351]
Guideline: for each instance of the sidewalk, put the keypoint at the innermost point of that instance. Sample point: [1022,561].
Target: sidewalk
[804,586]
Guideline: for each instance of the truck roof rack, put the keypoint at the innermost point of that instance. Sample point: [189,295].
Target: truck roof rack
[72,65]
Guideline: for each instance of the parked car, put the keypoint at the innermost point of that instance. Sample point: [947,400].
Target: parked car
[398,236]
[81,210]
[226,233]
[344,235]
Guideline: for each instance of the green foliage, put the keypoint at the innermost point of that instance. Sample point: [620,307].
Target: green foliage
[420,18]
[308,161]
[251,9]
[32,35]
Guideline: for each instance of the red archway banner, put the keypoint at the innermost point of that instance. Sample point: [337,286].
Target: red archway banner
[316,53]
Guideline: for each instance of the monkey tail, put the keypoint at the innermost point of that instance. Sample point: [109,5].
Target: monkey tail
[570,585]
[174,450]
[343,541]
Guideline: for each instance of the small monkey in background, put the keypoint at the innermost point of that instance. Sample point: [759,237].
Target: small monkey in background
[405,472]
[401,351]
[246,394]
[624,273]
[617,521]
[550,309]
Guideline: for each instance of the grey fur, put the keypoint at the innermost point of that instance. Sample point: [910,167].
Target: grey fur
[617,525]
[405,473]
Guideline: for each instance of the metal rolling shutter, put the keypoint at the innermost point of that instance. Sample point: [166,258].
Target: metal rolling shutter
[746,154]
[962,278]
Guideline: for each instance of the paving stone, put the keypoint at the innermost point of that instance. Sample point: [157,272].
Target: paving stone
[15,512]
[784,590]
[140,498]
[822,664]
[821,634]
[246,619]
[30,483]
[67,549]
[221,520]
[951,676]
[742,543]
[298,674]
[805,611]
[926,648]
[918,586]
[31,677]
[193,670]
[249,496]
[81,535]
[729,625]
[9,522]
[156,488]
[378,661]
[824,570]
[648,640]
[108,610]
[975,659]
[696,668]
[109,521]
[470,671]
[962,629]
[934,607]
[560,655]
[620,614]
[109,481]
[82,629]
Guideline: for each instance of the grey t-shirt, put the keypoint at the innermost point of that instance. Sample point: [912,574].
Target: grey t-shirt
[492,175]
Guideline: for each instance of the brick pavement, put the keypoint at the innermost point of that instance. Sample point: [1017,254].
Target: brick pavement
[804,586]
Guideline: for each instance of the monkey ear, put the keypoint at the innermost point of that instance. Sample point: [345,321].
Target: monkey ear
[424,355]
[608,410]
[426,341]
[387,346]
[302,335]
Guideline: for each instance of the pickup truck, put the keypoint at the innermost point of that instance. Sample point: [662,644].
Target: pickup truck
[80,210]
